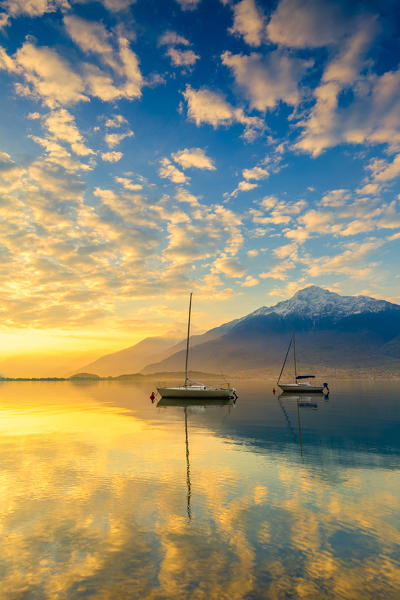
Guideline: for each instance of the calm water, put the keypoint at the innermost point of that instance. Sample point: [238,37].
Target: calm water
[105,495]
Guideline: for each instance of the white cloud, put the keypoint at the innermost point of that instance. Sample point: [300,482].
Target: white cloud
[182,195]
[229,266]
[171,38]
[169,171]
[48,76]
[112,156]
[243,186]
[128,184]
[33,8]
[256,173]
[307,23]
[61,125]
[115,121]
[206,106]
[335,198]
[248,22]
[117,5]
[279,271]
[182,58]
[124,79]
[369,117]
[287,251]
[369,189]
[188,4]
[113,139]
[348,262]
[266,81]
[193,157]
[383,170]
[250,281]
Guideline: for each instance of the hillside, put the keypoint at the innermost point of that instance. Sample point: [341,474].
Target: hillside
[132,359]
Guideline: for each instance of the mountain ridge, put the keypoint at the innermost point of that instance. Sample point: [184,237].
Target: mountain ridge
[324,319]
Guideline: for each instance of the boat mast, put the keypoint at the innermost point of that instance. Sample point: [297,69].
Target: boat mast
[187,341]
[284,362]
[294,354]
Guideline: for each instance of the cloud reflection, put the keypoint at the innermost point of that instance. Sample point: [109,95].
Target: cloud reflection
[93,504]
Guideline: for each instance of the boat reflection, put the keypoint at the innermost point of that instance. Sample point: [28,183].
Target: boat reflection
[185,404]
[301,402]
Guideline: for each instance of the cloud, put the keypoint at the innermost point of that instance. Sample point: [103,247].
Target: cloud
[182,195]
[111,156]
[243,186]
[128,184]
[230,266]
[276,212]
[62,126]
[268,80]
[193,157]
[59,155]
[248,22]
[335,198]
[369,116]
[256,173]
[48,76]
[278,271]
[124,78]
[188,4]
[113,139]
[287,251]
[171,38]
[33,8]
[250,281]
[382,170]
[115,121]
[307,23]
[169,171]
[348,262]
[206,106]
[182,58]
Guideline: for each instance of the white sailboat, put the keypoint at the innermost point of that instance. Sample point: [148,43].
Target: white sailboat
[301,383]
[191,389]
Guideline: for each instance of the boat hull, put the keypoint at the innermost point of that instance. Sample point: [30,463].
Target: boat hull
[301,388]
[188,393]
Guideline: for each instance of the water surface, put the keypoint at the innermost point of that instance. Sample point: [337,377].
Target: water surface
[105,495]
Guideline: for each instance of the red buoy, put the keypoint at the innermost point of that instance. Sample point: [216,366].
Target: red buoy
[273,390]
[152,396]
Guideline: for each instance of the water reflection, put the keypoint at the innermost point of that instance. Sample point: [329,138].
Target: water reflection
[191,404]
[94,501]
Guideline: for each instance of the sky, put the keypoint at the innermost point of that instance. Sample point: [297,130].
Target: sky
[241,150]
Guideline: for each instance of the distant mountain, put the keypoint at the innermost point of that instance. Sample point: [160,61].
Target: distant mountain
[331,330]
[132,359]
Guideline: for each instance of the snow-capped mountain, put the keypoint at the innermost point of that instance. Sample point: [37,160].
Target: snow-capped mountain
[314,302]
[350,331]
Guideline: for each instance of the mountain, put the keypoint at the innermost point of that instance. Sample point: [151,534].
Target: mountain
[132,359]
[331,331]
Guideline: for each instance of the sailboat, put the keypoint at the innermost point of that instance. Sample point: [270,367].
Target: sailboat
[301,383]
[192,389]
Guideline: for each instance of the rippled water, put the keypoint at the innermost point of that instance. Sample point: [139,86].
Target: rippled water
[106,495]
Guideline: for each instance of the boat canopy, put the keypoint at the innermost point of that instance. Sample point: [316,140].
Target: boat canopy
[305,376]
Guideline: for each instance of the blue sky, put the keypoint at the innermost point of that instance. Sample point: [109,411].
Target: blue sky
[242,150]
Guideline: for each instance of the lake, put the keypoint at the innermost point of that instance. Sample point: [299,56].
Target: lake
[105,495]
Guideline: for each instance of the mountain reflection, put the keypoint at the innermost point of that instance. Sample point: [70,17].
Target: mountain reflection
[98,497]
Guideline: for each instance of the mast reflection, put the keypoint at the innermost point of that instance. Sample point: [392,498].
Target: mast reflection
[301,402]
[201,403]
